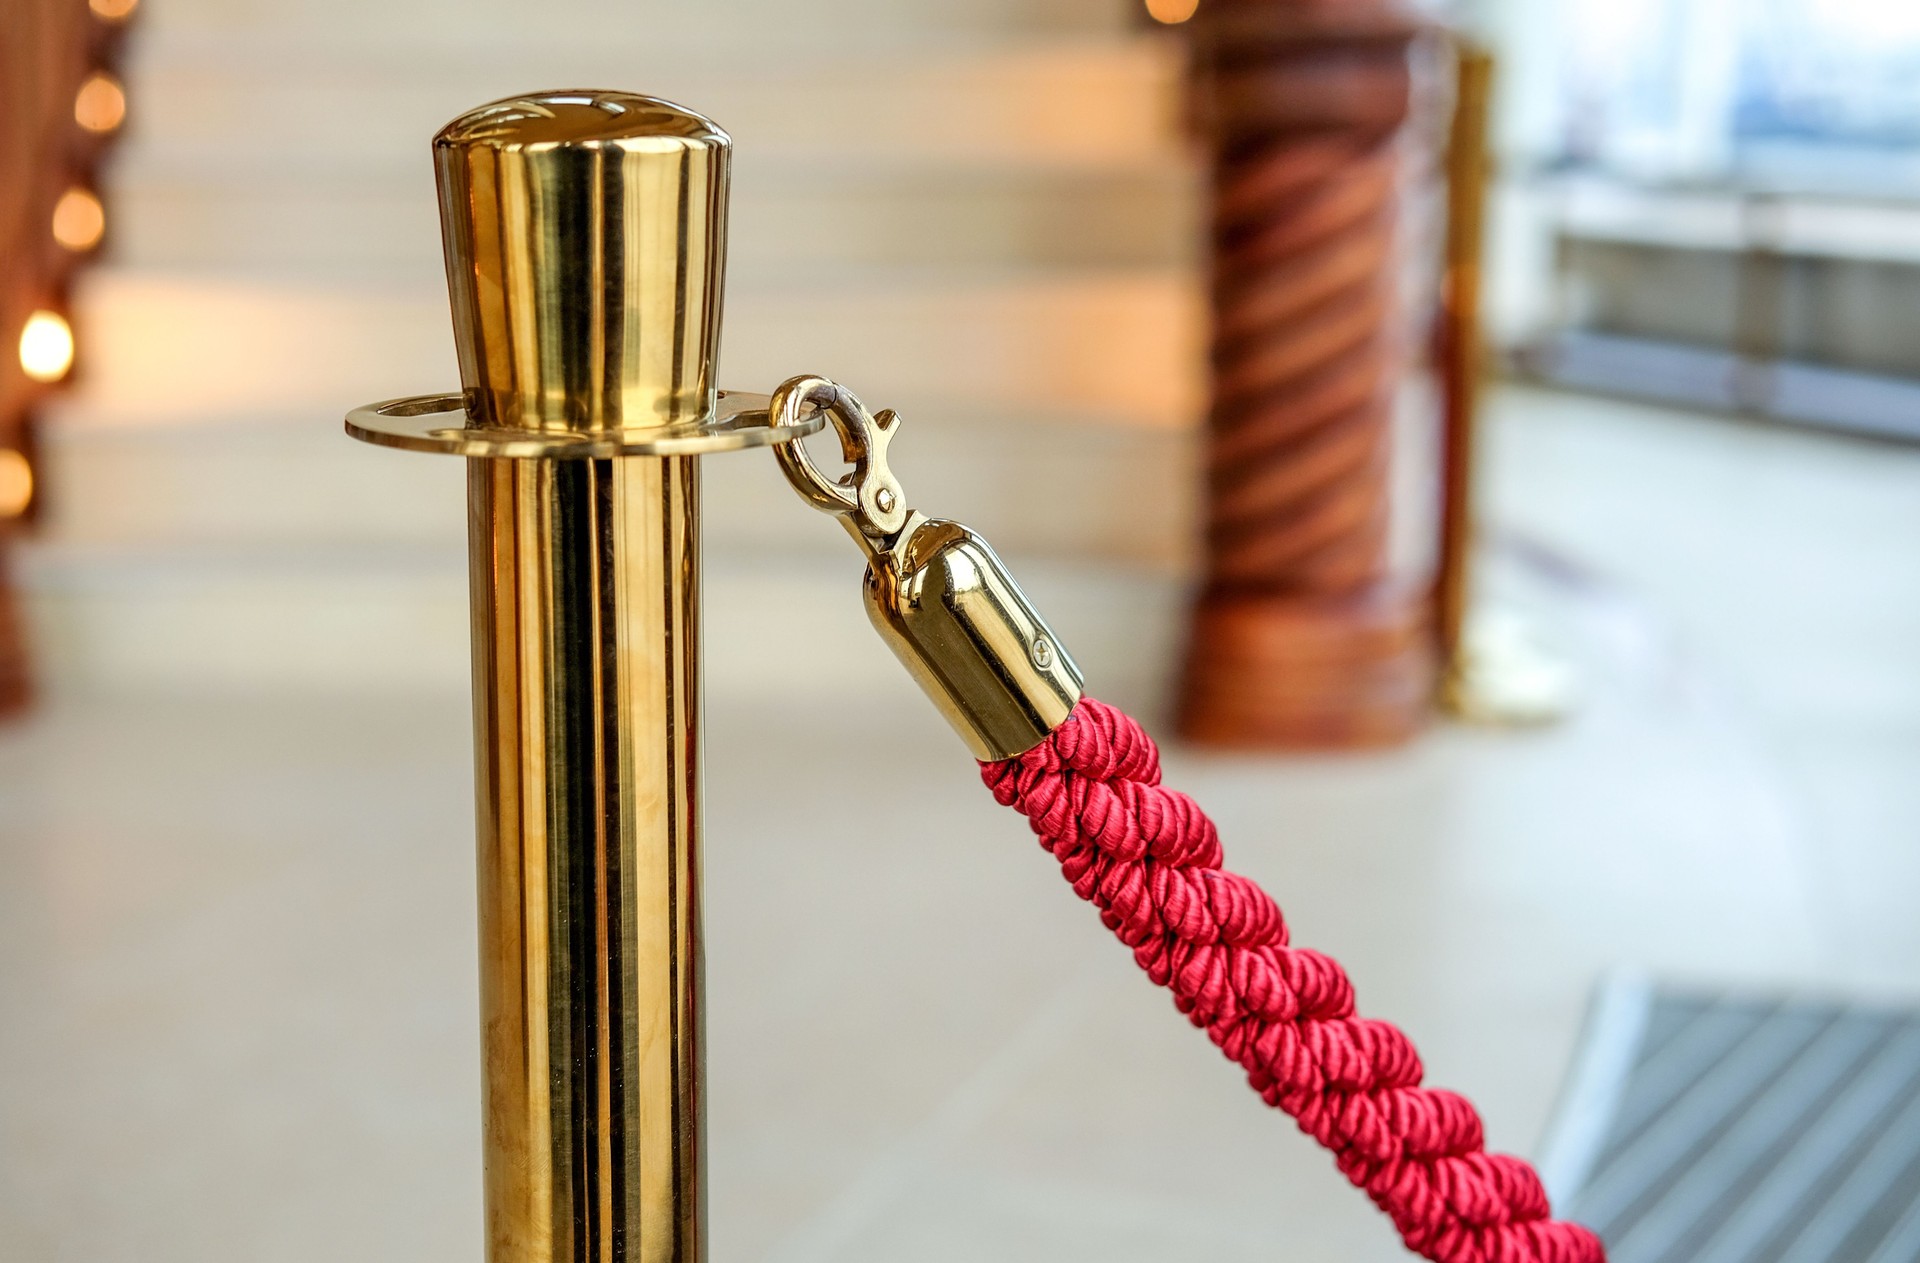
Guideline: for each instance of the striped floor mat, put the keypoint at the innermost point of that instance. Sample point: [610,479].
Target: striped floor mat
[1705,1128]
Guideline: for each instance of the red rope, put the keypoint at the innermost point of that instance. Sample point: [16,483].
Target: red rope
[1149,859]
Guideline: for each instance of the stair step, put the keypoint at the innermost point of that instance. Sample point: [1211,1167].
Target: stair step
[453,25]
[791,219]
[250,156]
[394,622]
[1048,489]
[1108,103]
[1108,346]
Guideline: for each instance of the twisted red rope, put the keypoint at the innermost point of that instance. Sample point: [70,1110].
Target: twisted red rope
[1149,859]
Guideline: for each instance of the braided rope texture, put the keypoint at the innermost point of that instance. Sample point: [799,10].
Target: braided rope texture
[1149,859]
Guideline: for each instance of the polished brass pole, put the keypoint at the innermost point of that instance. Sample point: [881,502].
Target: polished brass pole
[583,254]
[585,624]
[585,242]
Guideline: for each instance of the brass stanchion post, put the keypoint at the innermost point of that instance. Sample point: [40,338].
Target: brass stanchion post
[585,241]
[1460,349]
[1494,667]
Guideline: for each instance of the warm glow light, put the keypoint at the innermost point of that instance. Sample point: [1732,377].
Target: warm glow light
[78,220]
[112,10]
[101,104]
[1171,12]
[46,346]
[16,483]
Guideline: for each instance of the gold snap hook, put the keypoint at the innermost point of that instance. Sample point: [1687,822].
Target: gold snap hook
[937,593]
[868,496]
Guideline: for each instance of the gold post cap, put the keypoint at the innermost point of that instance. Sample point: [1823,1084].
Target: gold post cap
[585,238]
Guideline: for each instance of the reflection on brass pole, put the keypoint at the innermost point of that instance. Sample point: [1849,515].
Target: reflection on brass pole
[585,619]
[579,231]
[585,246]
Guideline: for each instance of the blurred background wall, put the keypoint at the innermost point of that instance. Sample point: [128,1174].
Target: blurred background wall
[989,217]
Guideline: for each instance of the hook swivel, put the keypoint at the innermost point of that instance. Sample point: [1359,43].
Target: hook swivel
[937,593]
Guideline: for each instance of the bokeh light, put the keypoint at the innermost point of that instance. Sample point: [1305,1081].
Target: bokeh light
[1171,12]
[79,220]
[16,483]
[46,346]
[101,104]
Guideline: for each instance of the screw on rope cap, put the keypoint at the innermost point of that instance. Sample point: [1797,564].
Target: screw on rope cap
[936,592]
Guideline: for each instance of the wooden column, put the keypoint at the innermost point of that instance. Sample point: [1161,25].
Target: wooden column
[51,141]
[1302,636]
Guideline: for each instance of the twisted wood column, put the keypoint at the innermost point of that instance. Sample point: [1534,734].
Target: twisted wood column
[1302,635]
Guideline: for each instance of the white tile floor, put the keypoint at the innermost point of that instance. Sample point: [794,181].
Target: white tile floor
[236,960]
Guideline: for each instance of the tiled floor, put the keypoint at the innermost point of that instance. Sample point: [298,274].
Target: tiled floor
[236,960]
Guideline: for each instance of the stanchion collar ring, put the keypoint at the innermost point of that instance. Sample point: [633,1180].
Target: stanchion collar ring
[440,423]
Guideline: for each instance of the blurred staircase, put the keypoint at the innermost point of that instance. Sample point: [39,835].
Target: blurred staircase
[979,212]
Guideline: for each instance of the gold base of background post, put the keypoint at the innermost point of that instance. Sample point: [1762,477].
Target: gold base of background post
[1505,675]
